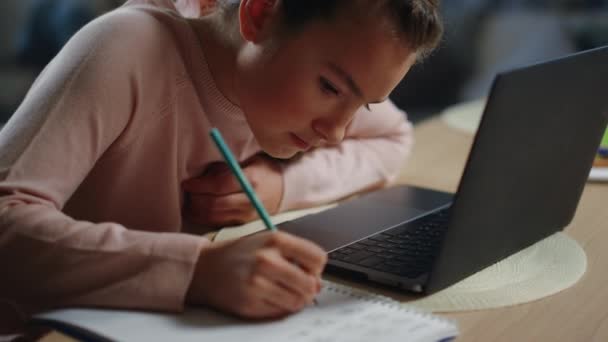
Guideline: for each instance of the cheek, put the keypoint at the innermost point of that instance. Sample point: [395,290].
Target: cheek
[290,102]
[284,96]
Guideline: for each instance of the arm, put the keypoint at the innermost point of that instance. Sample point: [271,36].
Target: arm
[376,146]
[75,113]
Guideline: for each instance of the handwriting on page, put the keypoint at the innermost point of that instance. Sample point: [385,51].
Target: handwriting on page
[343,314]
[343,318]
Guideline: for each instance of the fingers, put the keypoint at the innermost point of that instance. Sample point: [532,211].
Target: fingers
[276,295]
[236,201]
[272,265]
[220,210]
[219,181]
[254,277]
[220,218]
[305,253]
[266,305]
[268,310]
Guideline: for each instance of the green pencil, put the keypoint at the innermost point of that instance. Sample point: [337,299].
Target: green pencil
[240,176]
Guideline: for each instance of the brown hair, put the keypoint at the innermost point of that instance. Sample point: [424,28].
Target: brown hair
[417,21]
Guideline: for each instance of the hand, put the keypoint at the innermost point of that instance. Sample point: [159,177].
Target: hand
[257,277]
[216,198]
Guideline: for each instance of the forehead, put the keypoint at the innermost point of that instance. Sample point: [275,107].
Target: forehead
[366,47]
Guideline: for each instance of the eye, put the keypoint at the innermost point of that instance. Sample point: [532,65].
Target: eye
[327,87]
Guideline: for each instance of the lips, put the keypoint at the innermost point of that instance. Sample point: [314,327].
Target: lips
[299,142]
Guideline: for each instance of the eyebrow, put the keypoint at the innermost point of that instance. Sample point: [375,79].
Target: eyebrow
[350,82]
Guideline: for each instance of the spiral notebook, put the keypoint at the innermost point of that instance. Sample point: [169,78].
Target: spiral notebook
[342,314]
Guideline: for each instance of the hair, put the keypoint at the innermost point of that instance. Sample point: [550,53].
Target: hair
[418,22]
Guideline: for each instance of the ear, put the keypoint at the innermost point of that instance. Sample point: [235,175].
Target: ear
[255,17]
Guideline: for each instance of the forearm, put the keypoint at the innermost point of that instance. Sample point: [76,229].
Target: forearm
[51,260]
[357,164]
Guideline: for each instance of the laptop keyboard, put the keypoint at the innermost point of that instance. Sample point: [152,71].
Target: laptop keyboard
[406,251]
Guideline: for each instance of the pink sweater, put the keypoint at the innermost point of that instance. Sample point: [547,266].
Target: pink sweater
[92,161]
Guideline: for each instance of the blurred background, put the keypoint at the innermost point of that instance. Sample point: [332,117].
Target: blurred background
[483,37]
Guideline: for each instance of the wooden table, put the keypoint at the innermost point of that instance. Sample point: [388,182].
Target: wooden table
[579,313]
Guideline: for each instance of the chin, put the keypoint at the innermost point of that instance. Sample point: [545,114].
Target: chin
[280,152]
[277,148]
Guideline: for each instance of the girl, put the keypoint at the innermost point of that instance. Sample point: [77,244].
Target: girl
[108,172]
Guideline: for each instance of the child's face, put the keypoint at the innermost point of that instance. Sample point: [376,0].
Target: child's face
[305,89]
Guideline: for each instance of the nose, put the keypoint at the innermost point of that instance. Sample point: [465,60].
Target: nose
[332,128]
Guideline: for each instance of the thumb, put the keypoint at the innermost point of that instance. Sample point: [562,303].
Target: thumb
[216,182]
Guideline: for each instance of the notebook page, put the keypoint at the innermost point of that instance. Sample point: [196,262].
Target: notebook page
[342,314]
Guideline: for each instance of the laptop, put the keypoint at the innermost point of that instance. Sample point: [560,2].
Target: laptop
[524,177]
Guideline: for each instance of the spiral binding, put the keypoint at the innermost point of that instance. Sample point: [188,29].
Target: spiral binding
[381,300]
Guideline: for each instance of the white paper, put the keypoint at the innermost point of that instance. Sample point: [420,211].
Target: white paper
[342,314]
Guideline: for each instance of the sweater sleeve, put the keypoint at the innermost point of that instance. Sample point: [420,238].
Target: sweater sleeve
[376,146]
[76,111]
